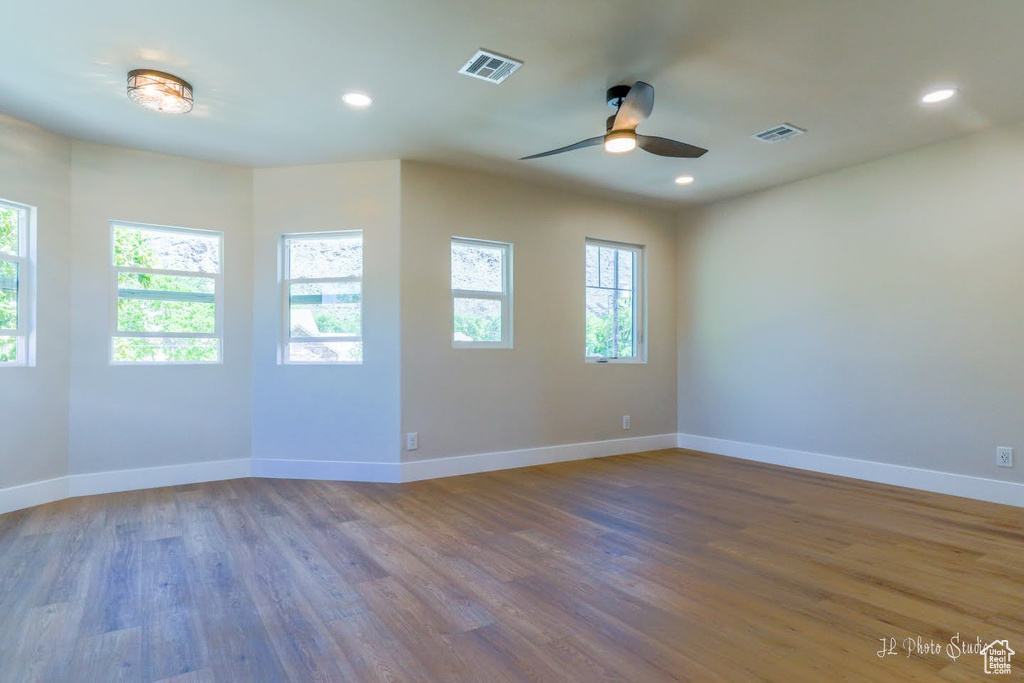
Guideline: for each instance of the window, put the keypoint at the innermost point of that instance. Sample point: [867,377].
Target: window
[17,298]
[614,308]
[323,297]
[481,294]
[169,301]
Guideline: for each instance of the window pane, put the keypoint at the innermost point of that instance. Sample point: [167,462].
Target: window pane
[8,295]
[8,350]
[477,267]
[325,352]
[624,329]
[600,304]
[164,303]
[329,257]
[477,320]
[606,264]
[165,350]
[9,230]
[626,257]
[330,308]
[593,252]
[165,250]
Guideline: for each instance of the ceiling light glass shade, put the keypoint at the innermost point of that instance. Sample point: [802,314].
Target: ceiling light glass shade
[159,91]
[939,95]
[620,142]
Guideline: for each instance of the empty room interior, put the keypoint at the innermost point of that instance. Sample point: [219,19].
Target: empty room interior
[486,341]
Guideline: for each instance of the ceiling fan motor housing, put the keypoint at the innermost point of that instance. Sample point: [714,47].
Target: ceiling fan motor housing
[616,94]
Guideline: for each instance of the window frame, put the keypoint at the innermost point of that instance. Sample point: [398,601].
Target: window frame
[25,333]
[284,266]
[218,296]
[505,296]
[639,300]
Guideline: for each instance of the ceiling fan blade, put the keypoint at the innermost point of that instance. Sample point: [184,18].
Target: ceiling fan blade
[637,106]
[590,142]
[664,147]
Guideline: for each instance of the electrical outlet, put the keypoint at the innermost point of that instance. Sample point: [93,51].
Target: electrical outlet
[412,441]
[625,422]
[1004,456]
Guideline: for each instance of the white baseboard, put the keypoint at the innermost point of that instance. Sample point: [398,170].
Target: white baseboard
[485,462]
[32,494]
[965,486]
[37,493]
[328,470]
[154,477]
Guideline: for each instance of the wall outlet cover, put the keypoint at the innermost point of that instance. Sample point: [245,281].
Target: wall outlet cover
[625,421]
[412,441]
[1004,456]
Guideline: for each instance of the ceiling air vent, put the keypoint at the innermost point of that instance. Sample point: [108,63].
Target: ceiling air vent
[490,67]
[778,133]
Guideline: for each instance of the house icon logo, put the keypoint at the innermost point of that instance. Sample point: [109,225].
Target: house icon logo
[997,656]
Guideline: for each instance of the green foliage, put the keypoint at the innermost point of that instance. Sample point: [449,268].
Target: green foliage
[339,320]
[600,331]
[478,327]
[8,350]
[9,231]
[8,295]
[131,248]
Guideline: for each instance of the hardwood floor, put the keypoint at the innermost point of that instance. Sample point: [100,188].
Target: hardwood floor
[657,566]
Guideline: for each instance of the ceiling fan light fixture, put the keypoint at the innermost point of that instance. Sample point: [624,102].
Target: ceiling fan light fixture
[684,180]
[620,142]
[160,91]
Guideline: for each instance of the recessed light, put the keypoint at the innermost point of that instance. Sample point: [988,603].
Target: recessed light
[684,180]
[159,91]
[941,95]
[357,99]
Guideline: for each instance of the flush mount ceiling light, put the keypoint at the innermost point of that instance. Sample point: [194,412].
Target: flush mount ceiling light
[160,91]
[620,141]
[940,95]
[357,99]
[684,180]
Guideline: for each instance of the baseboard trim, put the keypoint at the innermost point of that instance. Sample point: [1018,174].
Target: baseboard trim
[965,486]
[435,468]
[328,470]
[154,477]
[38,493]
[32,494]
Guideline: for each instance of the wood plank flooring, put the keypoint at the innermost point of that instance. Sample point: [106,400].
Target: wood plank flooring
[659,566]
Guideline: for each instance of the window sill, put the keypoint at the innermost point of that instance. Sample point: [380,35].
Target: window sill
[616,361]
[496,346]
[147,364]
[316,363]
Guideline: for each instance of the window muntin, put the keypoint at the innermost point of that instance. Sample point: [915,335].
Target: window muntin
[614,306]
[169,288]
[17,302]
[322,294]
[481,293]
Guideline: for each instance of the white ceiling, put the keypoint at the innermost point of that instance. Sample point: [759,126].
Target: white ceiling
[269,74]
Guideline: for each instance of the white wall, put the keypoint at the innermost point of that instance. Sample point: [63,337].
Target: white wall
[35,169]
[339,412]
[126,417]
[872,313]
[541,393]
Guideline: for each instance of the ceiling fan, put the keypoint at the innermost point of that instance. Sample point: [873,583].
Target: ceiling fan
[632,105]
